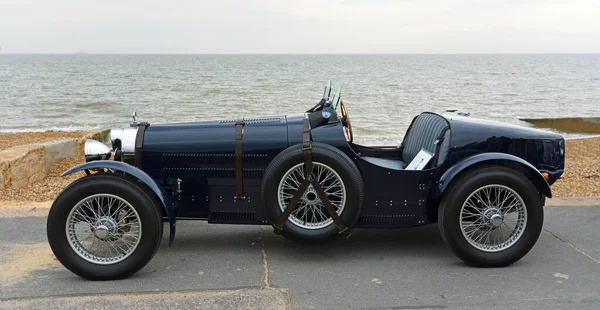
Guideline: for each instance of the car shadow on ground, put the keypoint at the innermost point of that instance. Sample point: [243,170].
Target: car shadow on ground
[362,243]
[365,244]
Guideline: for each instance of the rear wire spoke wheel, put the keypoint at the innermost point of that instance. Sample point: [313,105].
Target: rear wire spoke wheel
[310,221]
[312,214]
[491,216]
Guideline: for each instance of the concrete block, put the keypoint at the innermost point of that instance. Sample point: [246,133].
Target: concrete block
[57,150]
[26,165]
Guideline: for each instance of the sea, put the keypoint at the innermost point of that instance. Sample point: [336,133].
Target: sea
[382,92]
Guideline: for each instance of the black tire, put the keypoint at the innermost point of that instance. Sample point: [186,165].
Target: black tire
[457,194]
[145,204]
[324,154]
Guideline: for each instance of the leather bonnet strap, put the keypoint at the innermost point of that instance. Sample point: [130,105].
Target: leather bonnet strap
[239,132]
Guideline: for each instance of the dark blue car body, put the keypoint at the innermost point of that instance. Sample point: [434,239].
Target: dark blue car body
[192,166]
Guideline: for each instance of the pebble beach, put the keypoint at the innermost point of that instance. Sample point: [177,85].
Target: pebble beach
[581,179]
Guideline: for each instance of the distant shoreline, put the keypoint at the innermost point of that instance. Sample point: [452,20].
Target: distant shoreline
[297,54]
[576,125]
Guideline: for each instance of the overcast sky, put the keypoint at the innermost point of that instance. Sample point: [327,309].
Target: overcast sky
[309,26]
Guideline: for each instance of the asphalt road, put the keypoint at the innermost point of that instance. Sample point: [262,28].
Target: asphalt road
[223,266]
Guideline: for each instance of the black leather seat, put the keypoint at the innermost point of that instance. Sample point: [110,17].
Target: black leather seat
[425,132]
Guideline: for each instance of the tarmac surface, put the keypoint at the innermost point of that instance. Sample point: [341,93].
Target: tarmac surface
[249,267]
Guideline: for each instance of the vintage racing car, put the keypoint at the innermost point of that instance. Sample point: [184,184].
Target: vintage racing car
[484,182]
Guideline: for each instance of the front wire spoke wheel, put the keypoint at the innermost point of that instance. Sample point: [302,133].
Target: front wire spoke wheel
[311,213]
[103,229]
[493,218]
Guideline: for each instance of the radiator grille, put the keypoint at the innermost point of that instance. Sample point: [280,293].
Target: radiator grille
[225,121]
[262,121]
[255,120]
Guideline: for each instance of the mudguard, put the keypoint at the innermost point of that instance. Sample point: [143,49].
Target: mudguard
[140,175]
[502,158]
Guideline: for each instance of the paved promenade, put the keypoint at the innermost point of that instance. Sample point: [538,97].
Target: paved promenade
[226,266]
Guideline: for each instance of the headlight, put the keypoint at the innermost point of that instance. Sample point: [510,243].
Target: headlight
[95,150]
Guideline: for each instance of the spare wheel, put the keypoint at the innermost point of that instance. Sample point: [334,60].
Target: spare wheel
[335,173]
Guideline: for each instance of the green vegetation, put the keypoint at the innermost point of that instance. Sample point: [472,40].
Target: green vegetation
[103,136]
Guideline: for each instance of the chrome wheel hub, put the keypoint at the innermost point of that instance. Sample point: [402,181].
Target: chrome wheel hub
[311,213]
[101,232]
[493,218]
[103,229]
[496,220]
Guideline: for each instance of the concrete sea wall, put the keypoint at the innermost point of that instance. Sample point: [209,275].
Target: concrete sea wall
[25,164]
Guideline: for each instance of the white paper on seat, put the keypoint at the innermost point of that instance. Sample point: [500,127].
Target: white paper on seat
[420,161]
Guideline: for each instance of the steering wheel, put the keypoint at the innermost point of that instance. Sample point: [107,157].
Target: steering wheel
[346,122]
